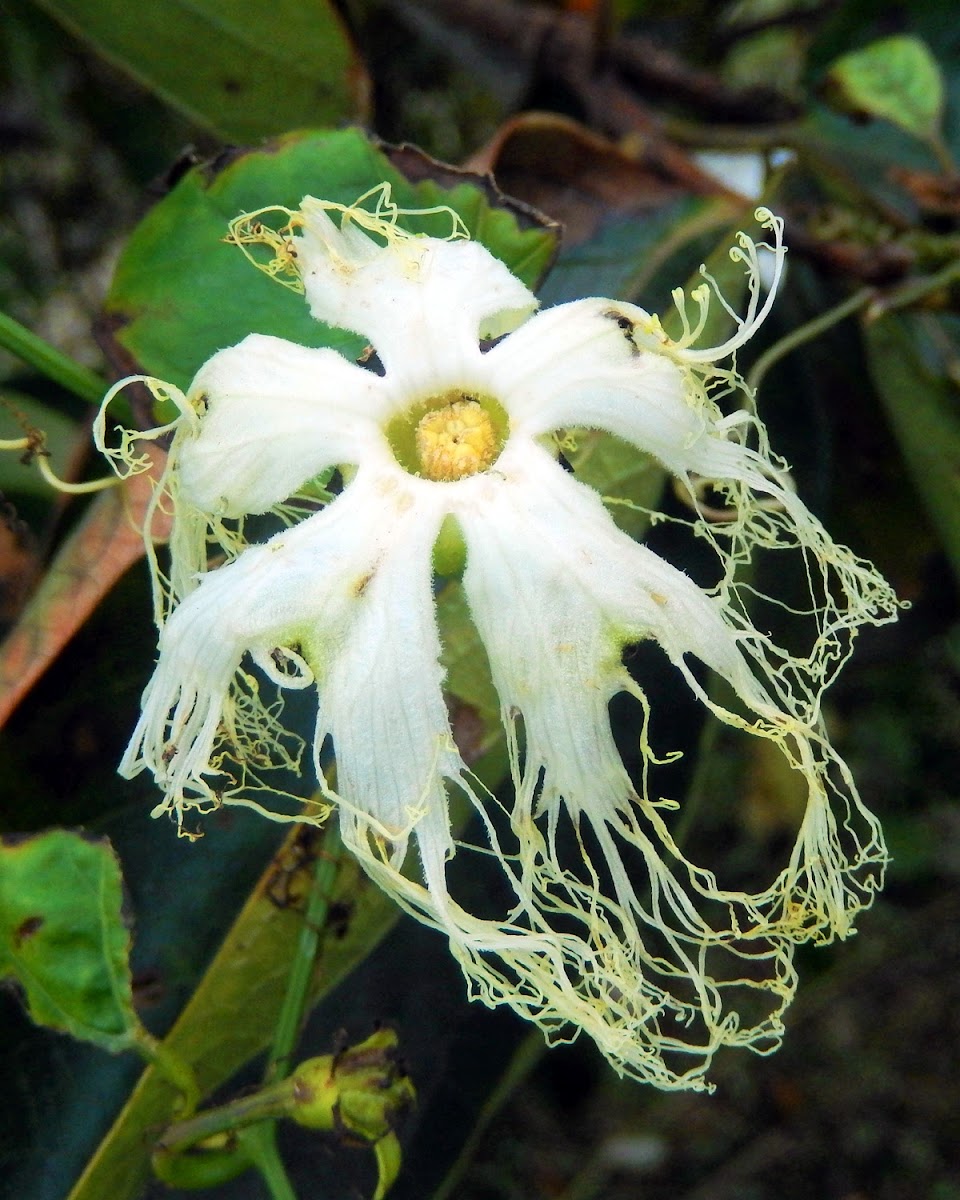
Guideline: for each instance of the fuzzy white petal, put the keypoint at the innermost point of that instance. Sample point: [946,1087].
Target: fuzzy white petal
[547,541]
[380,679]
[423,303]
[292,605]
[557,591]
[274,414]
[581,364]
[598,364]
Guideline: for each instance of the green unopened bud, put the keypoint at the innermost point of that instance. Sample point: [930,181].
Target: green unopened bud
[361,1090]
[358,1094]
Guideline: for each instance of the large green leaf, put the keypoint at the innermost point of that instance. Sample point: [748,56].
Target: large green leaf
[244,69]
[62,936]
[180,293]
[922,405]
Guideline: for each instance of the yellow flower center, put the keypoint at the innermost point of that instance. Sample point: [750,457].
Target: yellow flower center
[448,436]
[456,440]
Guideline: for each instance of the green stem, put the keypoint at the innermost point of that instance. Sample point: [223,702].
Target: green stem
[867,298]
[917,289]
[263,1153]
[173,1068]
[252,1120]
[941,151]
[265,1105]
[806,333]
[257,1114]
[301,971]
[49,361]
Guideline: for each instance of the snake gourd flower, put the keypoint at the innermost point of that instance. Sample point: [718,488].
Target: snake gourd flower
[452,443]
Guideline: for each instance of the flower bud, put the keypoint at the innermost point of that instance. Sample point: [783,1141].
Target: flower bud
[360,1091]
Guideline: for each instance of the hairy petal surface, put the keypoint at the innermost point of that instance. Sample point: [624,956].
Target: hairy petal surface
[604,365]
[581,364]
[318,409]
[290,607]
[424,303]
[381,683]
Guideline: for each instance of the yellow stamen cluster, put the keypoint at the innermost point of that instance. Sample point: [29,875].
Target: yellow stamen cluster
[455,441]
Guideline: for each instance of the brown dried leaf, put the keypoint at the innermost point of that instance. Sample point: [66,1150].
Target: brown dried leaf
[104,545]
[581,178]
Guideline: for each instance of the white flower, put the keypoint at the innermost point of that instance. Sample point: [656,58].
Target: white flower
[603,925]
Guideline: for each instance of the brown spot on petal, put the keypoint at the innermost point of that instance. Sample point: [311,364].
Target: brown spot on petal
[625,325]
[362,584]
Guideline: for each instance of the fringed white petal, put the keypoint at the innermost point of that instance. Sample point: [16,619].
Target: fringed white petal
[204,716]
[597,364]
[589,364]
[424,303]
[272,416]
[677,965]
[630,594]
[381,684]
[295,598]
[633,594]
[581,364]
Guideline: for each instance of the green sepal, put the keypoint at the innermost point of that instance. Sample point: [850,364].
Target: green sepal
[449,550]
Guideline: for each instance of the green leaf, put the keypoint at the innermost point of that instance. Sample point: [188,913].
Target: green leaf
[619,472]
[180,293]
[62,936]
[244,69]
[922,406]
[897,79]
